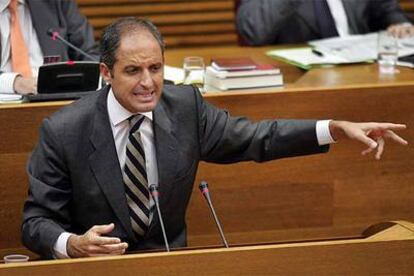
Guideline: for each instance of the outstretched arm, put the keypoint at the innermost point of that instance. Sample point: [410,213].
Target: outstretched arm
[372,135]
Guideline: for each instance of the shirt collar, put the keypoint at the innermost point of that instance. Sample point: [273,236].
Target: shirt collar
[118,113]
[5,3]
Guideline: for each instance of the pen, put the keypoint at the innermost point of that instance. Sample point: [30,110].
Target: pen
[316,52]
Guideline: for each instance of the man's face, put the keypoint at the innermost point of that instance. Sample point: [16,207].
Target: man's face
[138,73]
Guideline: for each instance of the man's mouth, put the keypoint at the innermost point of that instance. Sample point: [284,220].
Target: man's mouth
[144,94]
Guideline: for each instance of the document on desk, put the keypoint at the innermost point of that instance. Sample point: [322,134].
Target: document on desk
[359,48]
[10,98]
[339,50]
[174,74]
[306,58]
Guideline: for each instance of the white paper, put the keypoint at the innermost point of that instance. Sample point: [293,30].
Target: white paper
[305,56]
[174,74]
[10,97]
[358,48]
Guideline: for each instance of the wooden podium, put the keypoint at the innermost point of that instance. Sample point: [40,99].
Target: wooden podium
[386,248]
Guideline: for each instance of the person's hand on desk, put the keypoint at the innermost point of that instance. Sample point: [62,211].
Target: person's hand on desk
[92,243]
[25,86]
[401,30]
[371,134]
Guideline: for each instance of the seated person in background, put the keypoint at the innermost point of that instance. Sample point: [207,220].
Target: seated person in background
[90,171]
[261,22]
[24,42]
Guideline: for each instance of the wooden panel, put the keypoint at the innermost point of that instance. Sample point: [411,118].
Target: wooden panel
[261,202]
[408,7]
[117,9]
[183,23]
[13,190]
[339,193]
[389,253]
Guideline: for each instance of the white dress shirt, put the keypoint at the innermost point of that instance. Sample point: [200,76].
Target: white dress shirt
[118,117]
[339,16]
[7,77]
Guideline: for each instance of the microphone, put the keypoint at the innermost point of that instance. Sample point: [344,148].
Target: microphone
[204,190]
[55,35]
[154,193]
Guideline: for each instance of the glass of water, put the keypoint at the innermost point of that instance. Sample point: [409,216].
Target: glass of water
[387,53]
[194,70]
[15,258]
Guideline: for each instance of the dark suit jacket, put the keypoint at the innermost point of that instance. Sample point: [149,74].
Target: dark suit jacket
[76,181]
[65,18]
[261,22]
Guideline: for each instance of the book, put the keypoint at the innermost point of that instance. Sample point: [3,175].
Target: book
[260,70]
[232,64]
[242,79]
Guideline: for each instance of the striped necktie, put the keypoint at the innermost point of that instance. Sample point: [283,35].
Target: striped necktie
[135,180]
[19,52]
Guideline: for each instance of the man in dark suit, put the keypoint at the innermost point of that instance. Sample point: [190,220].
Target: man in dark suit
[261,22]
[90,171]
[36,18]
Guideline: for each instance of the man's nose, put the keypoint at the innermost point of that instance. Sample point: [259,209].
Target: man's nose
[146,79]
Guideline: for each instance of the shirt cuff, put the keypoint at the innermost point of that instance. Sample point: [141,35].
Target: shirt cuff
[7,82]
[60,247]
[323,134]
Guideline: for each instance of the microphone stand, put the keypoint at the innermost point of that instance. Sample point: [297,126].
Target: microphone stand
[204,190]
[154,193]
[55,35]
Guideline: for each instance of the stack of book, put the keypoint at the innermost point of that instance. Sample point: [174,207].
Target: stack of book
[239,73]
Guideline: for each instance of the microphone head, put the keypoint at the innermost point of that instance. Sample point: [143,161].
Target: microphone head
[203,186]
[50,32]
[153,188]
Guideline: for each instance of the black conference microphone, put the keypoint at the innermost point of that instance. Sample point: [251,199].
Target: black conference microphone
[154,193]
[204,190]
[55,35]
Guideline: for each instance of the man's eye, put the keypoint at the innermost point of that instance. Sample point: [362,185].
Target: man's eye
[131,70]
[156,68]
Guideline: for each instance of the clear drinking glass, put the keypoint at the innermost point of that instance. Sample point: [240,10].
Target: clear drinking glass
[387,53]
[15,258]
[194,70]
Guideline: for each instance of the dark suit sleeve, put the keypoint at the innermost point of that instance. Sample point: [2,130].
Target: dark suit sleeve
[226,139]
[79,32]
[259,22]
[386,13]
[46,212]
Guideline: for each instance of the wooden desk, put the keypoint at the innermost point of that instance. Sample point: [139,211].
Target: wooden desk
[331,195]
[389,251]
[344,75]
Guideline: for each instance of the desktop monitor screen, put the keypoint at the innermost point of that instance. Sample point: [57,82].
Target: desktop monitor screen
[63,77]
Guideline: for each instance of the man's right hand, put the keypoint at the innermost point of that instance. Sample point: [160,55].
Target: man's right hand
[25,86]
[92,244]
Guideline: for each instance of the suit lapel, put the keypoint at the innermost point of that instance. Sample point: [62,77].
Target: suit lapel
[43,21]
[166,147]
[305,10]
[105,165]
[352,9]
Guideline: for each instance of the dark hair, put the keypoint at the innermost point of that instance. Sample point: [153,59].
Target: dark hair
[112,35]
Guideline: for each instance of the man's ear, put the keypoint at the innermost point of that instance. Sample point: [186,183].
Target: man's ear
[105,72]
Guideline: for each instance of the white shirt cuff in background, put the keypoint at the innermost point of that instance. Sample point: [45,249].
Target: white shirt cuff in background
[323,134]
[60,247]
[7,82]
